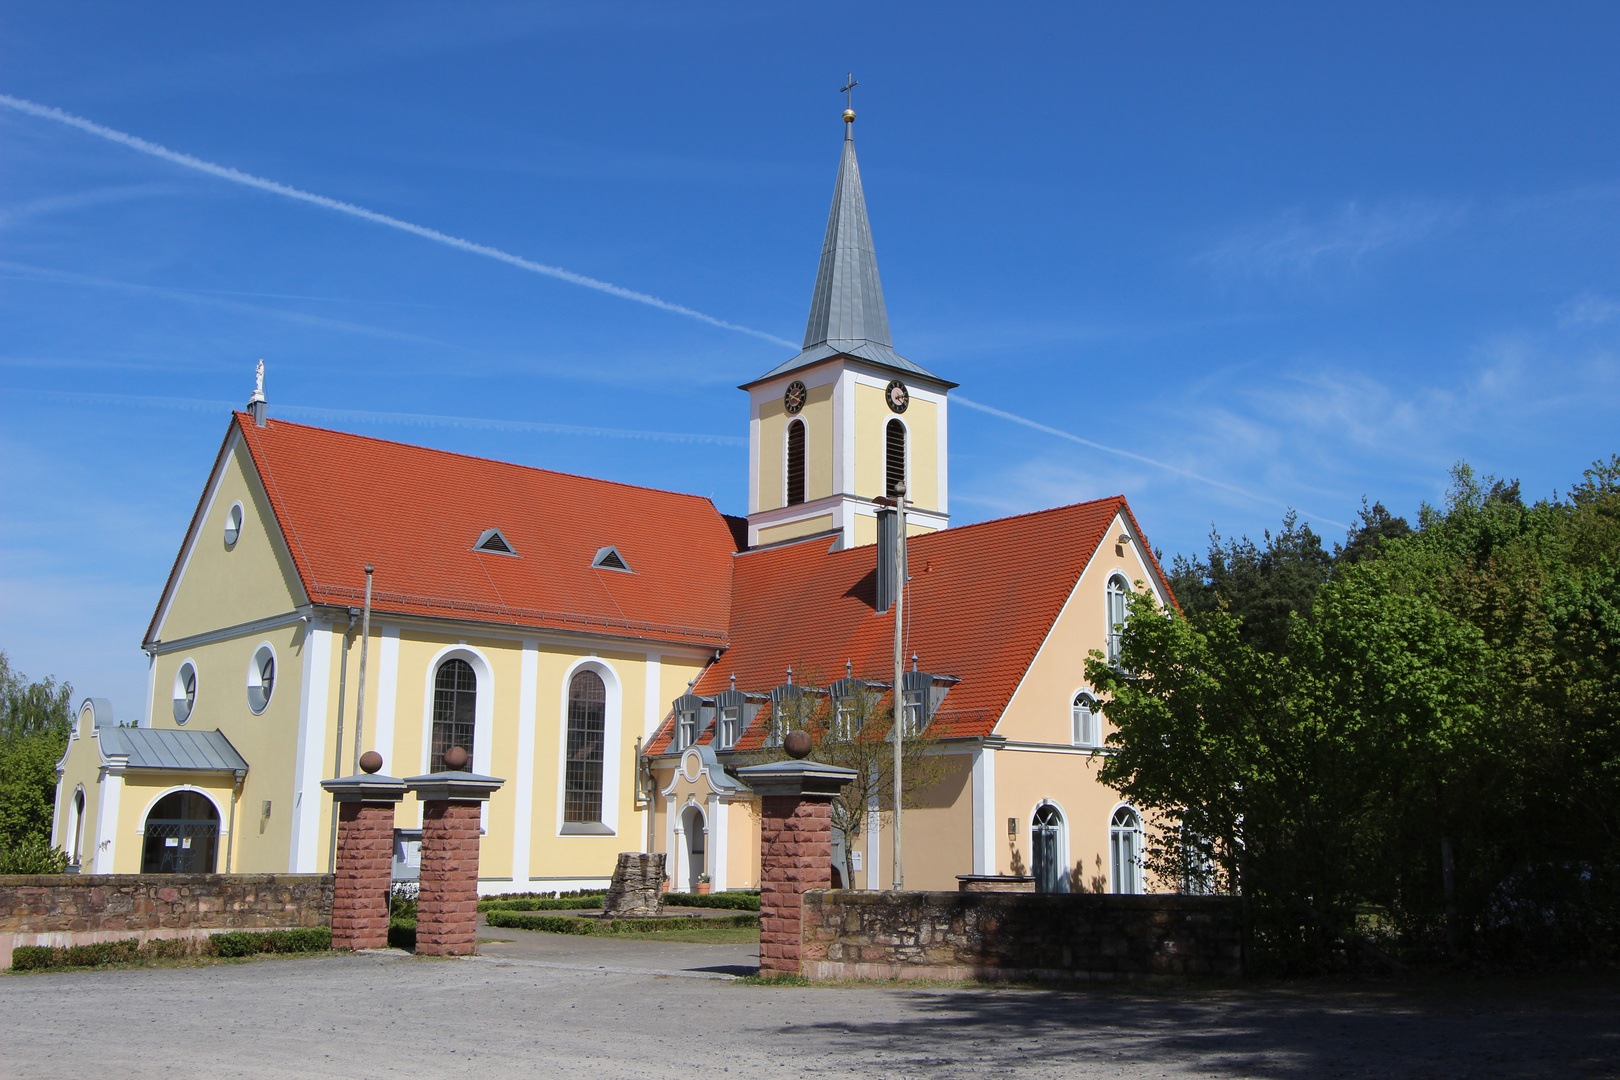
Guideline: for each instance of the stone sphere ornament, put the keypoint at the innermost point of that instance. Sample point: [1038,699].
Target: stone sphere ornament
[798,744]
[455,759]
[370,761]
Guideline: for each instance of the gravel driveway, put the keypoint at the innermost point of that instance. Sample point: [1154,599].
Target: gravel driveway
[597,1015]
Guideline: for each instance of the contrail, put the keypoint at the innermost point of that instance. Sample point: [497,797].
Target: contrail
[412,419]
[225,172]
[1189,474]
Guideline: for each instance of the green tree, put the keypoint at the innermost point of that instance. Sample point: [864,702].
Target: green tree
[34,722]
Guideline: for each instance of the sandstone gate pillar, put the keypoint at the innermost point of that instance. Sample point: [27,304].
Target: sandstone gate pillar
[447,891]
[364,805]
[795,846]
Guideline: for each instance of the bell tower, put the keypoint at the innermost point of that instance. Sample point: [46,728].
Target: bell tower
[848,417]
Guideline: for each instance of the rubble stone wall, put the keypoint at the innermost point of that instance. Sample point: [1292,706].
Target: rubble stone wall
[977,935]
[82,909]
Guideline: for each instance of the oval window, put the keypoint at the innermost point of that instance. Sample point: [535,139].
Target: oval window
[261,678]
[233,525]
[185,691]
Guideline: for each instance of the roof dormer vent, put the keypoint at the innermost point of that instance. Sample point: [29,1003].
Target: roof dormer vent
[608,558]
[492,540]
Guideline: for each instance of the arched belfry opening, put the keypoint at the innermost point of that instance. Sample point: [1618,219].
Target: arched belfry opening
[795,462]
[894,457]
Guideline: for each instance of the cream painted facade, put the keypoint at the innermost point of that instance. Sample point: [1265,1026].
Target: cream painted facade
[1031,761]
[845,417]
[282,816]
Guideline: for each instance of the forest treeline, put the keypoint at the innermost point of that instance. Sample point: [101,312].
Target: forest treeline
[1402,750]
[35,718]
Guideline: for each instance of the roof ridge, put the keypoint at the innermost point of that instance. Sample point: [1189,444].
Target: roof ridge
[476,457]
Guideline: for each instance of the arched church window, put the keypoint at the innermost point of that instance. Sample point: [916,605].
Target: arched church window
[1086,720]
[1125,850]
[795,463]
[1118,589]
[78,823]
[894,459]
[1046,856]
[182,835]
[587,724]
[455,712]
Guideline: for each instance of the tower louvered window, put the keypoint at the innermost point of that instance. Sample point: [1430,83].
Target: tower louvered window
[455,711]
[894,465]
[587,722]
[795,463]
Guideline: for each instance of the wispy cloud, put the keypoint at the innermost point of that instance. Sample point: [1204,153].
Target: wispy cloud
[1588,309]
[295,412]
[235,176]
[1133,456]
[78,200]
[1292,244]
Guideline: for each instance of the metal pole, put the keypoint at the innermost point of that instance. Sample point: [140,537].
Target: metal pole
[337,750]
[360,691]
[899,669]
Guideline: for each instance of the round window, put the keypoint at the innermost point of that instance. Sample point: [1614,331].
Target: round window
[233,525]
[185,691]
[261,678]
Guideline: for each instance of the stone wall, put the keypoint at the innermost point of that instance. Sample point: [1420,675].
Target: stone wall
[965,935]
[81,909]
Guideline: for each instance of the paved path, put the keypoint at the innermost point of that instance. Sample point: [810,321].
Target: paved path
[395,1016]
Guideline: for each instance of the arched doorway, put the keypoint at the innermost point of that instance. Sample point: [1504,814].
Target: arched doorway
[1046,843]
[696,847]
[182,834]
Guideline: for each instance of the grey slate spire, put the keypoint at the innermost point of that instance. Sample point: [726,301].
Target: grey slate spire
[847,309]
[847,314]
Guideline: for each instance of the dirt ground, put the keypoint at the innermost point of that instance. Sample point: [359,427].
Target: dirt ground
[641,1009]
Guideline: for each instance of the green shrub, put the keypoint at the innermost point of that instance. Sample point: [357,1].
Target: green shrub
[402,934]
[32,957]
[538,903]
[95,954]
[550,924]
[736,901]
[32,855]
[252,942]
[563,924]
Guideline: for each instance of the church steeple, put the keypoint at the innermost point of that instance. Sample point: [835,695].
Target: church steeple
[846,310]
[848,418]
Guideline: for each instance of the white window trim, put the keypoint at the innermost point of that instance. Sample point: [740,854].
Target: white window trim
[1096,719]
[1065,882]
[1139,832]
[253,673]
[799,418]
[483,716]
[612,738]
[911,490]
[196,692]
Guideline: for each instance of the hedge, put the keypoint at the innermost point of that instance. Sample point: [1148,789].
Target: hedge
[132,950]
[537,903]
[402,934]
[565,924]
[736,901]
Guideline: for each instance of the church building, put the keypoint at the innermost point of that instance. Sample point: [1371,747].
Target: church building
[615,652]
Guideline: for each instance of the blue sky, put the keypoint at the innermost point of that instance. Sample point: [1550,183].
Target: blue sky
[1290,255]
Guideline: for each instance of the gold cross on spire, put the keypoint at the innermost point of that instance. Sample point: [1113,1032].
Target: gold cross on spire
[848,90]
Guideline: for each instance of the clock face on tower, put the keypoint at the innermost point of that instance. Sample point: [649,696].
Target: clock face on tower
[898,396]
[793,400]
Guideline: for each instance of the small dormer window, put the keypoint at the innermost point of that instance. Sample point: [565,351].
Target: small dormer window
[492,540]
[608,558]
[689,730]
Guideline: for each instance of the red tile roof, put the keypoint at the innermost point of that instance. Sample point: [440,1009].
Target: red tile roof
[344,500]
[982,598]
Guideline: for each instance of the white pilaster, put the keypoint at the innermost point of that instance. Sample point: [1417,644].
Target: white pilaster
[310,758]
[109,792]
[984,810]
[387,695]
[523,788]
[716,854]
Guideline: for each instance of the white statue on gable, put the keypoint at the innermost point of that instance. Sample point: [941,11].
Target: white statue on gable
[258,384]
